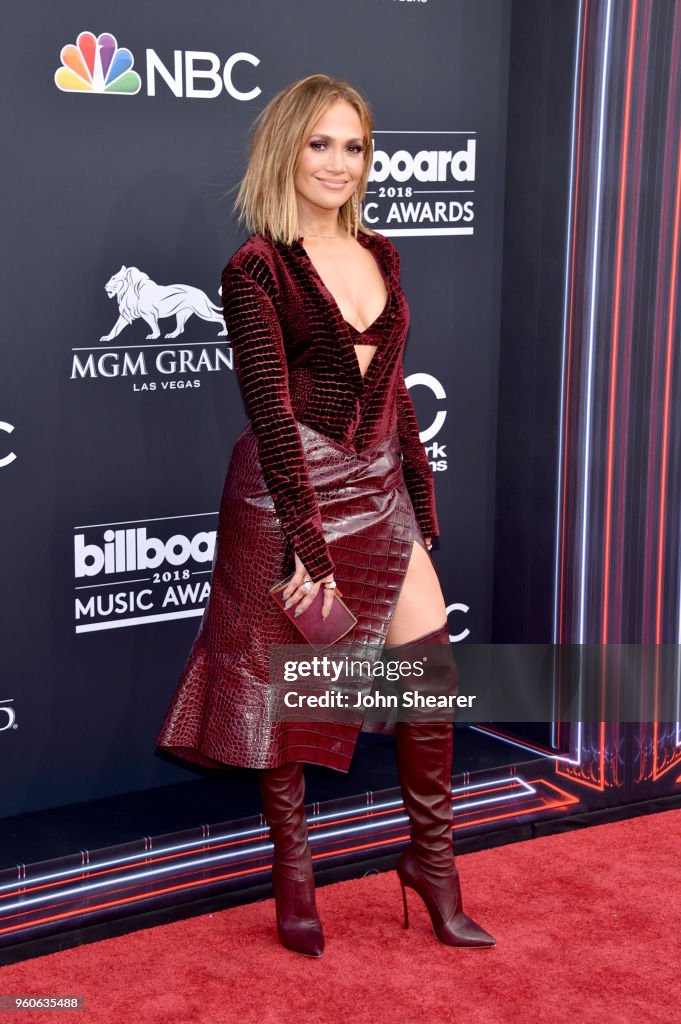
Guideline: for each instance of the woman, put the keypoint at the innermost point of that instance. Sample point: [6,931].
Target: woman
[328,483]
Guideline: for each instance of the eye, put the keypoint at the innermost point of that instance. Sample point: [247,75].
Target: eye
[354,148]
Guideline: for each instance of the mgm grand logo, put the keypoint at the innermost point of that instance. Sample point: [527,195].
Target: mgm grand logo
[154,365]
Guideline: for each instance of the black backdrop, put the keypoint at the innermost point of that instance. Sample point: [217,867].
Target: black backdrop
[106,443]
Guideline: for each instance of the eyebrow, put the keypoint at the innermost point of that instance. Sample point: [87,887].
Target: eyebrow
[329,138]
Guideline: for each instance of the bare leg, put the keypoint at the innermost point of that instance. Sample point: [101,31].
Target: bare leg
[420,606]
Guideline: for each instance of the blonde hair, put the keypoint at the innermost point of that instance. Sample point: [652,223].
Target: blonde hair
[266,200]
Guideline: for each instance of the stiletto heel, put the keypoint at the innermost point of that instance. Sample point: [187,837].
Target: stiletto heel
[424,761]
[404,904]
[442,898]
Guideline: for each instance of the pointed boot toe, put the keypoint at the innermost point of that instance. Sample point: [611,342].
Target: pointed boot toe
[304,937]
[461,930]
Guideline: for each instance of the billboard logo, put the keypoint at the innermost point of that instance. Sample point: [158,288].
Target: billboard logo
[422,183]
[141,571]
[8,718]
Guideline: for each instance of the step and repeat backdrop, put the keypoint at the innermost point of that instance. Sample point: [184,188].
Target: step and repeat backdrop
[126,129]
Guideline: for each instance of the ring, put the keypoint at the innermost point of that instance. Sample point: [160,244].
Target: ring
[307,584]
[330,586]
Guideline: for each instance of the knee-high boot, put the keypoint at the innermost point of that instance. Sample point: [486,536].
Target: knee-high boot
[282,791]
[424,759]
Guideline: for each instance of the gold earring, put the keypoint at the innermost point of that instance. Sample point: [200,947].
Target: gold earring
[355,213]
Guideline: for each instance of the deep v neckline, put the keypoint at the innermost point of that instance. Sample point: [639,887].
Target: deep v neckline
[367,241]
[375,323]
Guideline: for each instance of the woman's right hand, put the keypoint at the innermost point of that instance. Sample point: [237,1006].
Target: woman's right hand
[295,593]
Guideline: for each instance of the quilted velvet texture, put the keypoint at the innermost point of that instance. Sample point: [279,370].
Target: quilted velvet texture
[296,361]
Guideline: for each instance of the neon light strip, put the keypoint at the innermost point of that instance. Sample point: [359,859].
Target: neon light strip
[581,632]
[247,833]
[488,731]
[85,912]
[317,837]
[567,305]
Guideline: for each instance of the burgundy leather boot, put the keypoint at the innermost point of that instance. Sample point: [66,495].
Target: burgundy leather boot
[282,791]
[424,760]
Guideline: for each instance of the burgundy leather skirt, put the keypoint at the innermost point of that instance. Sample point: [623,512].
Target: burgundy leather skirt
[221,711]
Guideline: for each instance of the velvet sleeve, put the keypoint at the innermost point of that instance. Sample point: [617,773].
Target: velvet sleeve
[418,475]
[254,332]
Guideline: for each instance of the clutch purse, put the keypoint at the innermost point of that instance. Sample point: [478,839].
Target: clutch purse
[318,632]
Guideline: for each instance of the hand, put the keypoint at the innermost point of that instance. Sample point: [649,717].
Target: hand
[295,592]
[429,542]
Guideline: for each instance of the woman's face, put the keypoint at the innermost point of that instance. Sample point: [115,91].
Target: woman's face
[332,160]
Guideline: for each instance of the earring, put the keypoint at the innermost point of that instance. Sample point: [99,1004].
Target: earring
[355,213]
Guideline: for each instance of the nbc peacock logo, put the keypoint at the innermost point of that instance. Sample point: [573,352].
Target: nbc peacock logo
[97,64]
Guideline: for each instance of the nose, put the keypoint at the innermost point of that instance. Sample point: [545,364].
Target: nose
[336,159]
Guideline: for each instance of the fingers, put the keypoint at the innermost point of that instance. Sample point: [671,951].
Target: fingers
[301,597]
[298,577]
[293,584]
[295,592]
[328,603]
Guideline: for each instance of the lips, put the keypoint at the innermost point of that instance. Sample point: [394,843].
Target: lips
[332,183]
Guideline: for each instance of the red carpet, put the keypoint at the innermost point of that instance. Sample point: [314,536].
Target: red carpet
[587,926]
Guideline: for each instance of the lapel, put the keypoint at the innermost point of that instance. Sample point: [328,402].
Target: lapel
[372,242]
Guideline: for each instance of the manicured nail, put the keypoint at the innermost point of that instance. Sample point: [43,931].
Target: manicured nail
[297,611]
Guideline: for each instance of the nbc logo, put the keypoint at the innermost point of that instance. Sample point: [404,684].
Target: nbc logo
[96,64]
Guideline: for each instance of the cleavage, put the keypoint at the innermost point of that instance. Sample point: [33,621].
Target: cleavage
[386,292]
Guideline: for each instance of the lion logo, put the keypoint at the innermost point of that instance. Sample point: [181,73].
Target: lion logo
[141,298]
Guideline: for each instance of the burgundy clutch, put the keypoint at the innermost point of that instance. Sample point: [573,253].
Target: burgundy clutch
[318,632]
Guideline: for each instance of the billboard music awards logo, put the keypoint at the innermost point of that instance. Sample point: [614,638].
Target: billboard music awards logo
[422,183]
[155,366]
[141,571]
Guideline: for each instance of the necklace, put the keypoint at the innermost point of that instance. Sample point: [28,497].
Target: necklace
[322,236]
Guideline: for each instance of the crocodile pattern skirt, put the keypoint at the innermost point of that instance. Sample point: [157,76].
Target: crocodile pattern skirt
[221,711]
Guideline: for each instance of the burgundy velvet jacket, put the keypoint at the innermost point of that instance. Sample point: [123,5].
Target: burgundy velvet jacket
[296,361]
